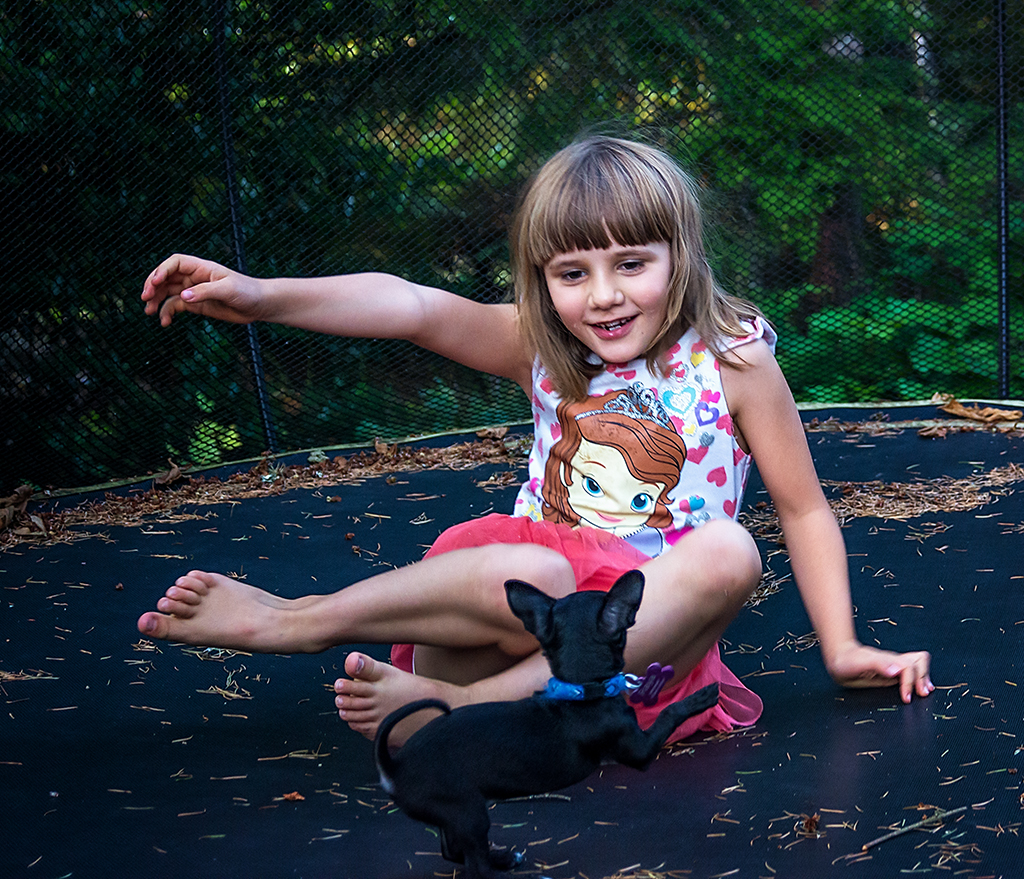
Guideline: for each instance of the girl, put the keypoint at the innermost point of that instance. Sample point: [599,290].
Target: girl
[617,319]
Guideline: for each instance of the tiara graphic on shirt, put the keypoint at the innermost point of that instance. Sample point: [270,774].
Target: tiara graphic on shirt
[635,402]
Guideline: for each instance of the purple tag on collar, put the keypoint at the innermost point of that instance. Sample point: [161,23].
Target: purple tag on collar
[651,685]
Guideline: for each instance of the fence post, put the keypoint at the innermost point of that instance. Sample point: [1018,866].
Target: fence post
[235,213]
[1003,202]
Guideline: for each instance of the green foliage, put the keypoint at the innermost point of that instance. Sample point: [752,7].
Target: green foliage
[847,148]
[883,348]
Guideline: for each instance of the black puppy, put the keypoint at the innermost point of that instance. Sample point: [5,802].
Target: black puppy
[448,771]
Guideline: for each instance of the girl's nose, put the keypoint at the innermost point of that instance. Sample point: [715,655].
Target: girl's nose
[604,293]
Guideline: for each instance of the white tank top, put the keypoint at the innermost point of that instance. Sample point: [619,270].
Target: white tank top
[647,457]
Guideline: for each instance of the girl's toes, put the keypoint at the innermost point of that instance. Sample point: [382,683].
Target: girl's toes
[365,668]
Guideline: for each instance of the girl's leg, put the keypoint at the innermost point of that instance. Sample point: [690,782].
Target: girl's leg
[691,594]
[375,689]
[454,600]
[453,604]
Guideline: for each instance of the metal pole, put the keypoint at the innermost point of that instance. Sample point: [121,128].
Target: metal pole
[235,212]
[1003,222]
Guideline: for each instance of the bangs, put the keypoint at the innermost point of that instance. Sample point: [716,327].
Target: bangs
[597,198]
[603,191]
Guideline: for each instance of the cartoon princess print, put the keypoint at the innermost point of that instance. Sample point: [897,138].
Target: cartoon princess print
[614,466]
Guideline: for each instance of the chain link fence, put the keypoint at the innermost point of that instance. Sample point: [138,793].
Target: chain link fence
[863,166]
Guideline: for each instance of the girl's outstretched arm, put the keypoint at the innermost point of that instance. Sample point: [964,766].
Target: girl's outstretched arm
[371,305]
[768,421]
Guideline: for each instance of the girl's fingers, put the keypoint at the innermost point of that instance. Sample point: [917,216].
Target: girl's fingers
[215,292]
[915,677]
[908,681]
[909,672]
[189,299]
[164,270]
[168,308]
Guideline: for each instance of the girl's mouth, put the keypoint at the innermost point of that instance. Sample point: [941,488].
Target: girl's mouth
[613,327]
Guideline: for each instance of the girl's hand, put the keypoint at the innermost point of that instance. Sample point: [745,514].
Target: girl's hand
[861,666]
[200,286]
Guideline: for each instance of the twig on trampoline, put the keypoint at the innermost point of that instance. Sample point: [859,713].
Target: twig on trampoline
[917,825]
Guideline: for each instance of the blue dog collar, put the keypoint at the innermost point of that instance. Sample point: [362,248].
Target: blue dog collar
[563,690]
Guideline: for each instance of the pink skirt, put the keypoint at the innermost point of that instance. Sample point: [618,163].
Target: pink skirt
[598,559]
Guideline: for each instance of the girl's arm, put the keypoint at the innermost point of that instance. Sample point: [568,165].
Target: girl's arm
[763,410]
[480,336]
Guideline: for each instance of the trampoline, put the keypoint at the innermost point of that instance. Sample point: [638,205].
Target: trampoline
[122,757]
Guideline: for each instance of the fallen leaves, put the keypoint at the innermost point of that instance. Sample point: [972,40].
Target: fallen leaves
[166,503]
[30,675]
[15,518]
[971,417]
[901,501]
[988,415]
[168,477]
[963,419]
[910,500]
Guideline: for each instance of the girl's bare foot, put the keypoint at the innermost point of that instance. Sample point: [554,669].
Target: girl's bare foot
[377,688]
[211,610]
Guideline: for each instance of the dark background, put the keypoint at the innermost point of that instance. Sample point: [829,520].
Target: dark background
[862,161]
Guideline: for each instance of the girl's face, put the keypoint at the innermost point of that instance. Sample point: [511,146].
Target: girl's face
[614,299]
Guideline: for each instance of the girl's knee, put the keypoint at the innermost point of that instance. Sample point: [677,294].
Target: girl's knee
[732,543]
[537,565]
[721,554]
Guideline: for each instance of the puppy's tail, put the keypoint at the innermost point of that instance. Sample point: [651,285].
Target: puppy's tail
[381,753]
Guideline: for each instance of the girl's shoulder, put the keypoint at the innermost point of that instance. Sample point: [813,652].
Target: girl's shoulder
[691,349]
[757,329]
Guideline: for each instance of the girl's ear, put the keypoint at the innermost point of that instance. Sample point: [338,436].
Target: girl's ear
[621,604]
[532,606]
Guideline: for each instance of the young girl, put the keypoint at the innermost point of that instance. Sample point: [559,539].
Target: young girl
[652,392]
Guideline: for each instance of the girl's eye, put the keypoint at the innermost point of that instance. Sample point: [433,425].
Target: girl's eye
[592,487]
[632,265]
[573,275]
[641,503]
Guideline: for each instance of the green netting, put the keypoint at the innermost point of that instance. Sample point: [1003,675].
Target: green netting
[865,187]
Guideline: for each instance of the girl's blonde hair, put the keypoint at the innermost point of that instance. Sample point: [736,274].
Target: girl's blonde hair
[595,192]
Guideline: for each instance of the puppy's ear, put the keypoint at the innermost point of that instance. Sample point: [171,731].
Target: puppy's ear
[621,603]
[532,606]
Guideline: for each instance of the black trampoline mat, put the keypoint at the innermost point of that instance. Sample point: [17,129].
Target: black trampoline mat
[122,757]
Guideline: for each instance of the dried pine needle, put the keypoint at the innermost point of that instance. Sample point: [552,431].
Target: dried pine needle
[917,825]
[30,675]
[166,504]
[900,501]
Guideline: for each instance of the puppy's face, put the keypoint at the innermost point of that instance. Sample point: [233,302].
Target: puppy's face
[584,645]
[584,634]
